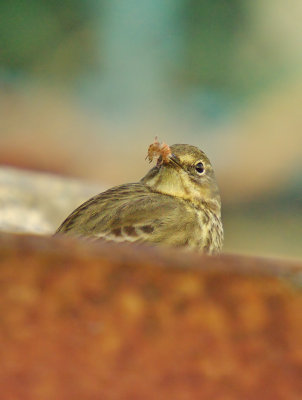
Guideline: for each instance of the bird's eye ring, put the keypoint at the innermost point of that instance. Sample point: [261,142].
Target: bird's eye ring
[199,167]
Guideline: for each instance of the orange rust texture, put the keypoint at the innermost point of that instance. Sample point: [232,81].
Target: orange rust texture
[84,321]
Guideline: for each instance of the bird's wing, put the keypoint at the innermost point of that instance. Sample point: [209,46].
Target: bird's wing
[132,213]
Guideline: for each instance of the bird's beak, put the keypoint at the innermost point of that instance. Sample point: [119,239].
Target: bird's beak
[175,160]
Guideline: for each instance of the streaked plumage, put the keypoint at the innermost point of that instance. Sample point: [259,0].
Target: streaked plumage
[173,204]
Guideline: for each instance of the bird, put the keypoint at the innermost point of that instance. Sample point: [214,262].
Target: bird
[177,203]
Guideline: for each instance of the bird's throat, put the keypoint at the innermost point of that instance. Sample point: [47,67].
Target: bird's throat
[177,183]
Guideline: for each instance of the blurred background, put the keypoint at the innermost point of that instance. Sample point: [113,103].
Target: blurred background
[85,87]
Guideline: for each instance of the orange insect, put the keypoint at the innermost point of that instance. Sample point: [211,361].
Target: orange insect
[157,149]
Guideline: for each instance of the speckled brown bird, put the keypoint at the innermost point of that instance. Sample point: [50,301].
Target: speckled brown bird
[177,204]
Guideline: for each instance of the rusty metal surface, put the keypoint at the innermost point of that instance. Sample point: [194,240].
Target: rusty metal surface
[87,321]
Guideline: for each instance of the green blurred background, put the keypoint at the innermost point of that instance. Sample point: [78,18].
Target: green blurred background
[85,87]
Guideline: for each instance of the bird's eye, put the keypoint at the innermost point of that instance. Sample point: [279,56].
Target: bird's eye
[199,167]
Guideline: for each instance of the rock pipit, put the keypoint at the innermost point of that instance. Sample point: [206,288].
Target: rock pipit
[177,203]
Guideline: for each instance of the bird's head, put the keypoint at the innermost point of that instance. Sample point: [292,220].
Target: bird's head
[186,173]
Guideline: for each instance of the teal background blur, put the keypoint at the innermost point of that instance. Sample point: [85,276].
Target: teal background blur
[85,87]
